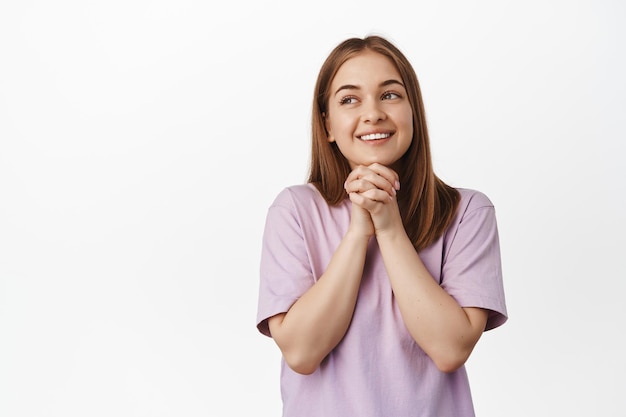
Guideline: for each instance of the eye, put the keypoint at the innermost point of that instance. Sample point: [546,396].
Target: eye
[348,100]
[390,95]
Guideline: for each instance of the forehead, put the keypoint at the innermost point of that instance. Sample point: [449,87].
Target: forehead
[367,66]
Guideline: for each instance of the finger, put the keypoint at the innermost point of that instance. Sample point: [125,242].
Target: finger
[387,173]
[372,205]
[377,195]
[380,182]
[363,202]
[357,179]
[358,185]
[358,172]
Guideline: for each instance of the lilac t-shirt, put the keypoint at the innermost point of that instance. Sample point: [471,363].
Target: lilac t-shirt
[377,369]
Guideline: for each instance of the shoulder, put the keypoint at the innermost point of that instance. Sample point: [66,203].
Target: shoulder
[474,207]
[474,222]
[297,195]
[472,200]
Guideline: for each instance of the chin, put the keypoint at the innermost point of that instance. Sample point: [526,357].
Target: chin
[382,161]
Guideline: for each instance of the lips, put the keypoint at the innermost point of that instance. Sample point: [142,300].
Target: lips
[374,136]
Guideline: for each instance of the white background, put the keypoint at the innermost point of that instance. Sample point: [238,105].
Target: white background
[141,143]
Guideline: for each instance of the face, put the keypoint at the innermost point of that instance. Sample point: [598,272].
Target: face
[369,115]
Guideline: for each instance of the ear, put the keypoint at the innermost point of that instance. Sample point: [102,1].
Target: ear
[329,135]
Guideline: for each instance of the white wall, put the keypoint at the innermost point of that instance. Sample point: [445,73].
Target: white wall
[141,143]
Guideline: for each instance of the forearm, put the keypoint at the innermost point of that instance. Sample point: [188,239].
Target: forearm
[444,330]
[317,322]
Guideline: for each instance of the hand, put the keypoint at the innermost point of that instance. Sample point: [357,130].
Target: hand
[373,189]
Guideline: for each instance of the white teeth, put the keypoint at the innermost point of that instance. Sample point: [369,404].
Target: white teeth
[375,136]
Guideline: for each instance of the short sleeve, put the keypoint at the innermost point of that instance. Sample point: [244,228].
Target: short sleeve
[472,268]
[285,271]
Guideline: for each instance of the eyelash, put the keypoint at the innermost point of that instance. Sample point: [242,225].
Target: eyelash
[345,100]
[386,93]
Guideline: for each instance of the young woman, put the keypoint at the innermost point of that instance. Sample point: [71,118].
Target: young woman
[377,279]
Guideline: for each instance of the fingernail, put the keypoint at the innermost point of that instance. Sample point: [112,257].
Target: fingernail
[397,185]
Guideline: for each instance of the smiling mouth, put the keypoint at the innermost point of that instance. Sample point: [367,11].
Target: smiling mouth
[375,136]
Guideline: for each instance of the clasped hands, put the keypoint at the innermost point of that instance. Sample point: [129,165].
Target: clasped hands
[372,190]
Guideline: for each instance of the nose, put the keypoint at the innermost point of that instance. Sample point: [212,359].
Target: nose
[373,112]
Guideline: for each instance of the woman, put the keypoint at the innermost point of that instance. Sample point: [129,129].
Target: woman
[377,279]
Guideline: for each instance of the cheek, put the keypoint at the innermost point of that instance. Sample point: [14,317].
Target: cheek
[408,122]
[339,127]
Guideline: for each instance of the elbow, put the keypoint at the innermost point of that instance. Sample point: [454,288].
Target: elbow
[301,364]
[450,362]
[448,367]
[302,369]
[449,357]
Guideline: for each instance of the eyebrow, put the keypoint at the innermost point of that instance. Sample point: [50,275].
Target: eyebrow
[356,87]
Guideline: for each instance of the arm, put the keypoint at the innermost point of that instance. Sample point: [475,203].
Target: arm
[318,320]
[444,330]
